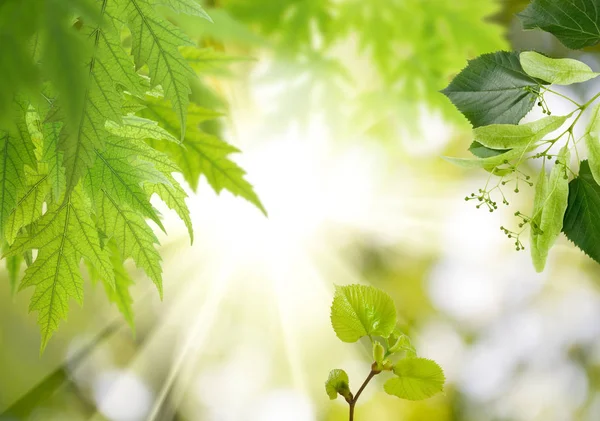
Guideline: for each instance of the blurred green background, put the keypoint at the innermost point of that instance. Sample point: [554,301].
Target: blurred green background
[336,106]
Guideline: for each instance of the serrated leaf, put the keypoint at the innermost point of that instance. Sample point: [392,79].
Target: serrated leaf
[15,152]
[510,136]
[576,23]
[337,383]
[582,219]
[132,235]
[592,141]
[417,379]
[188,7]
[553,210]
[123,177]
[63,236]
[360,310]
[202,153]
[53,158]
[564,71]
[493,89]
[107,71]
[156,43]
[29,206]
[119,293]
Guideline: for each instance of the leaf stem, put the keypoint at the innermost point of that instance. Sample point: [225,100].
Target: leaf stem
[352,402]
[564,96]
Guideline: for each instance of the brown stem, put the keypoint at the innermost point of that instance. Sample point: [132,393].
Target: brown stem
[352,402]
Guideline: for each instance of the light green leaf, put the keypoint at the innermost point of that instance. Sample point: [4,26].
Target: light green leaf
[132,235]
[360,310]
[63,236]
[592,141]
[564,71]
[554,206]
[538,256]
[122,177]
[337,383]
[29,206]
[119,293]
[403,344]
[490,162]
[13,267]
[188,7]
[509,136]
[15,152]
[155,43]
[417,379]
[202,153]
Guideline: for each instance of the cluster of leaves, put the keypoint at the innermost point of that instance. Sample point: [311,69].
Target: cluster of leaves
[409,49]
[363,311]
[96,120]
[495,91]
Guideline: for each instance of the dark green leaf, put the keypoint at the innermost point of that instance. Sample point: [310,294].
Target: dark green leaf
[582,218]
[576,23]
[493,89]
[481,151]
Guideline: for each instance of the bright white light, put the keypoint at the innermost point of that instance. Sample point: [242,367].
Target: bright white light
[122,396]
[283,404]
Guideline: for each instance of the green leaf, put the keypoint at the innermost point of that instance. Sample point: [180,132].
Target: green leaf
[402,343]
[15,152]
[202,153]
[538,256]
[481,151]
[554,205]
[564,71]
[592,141]
[509,136]
[122,177]
[29,206]
[417,379]
[189,7]
[119,292]
[493,89]
[492,161]
[156,43]
[582,218]
[13,267]
[107,71]
[576,23]
[132,235]
[338,383]
[359,310]
[63,236]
